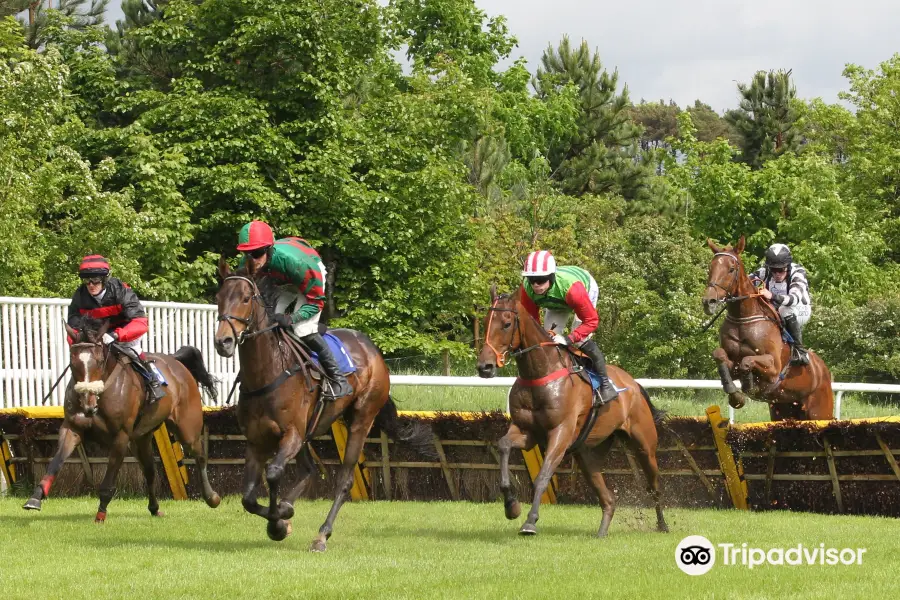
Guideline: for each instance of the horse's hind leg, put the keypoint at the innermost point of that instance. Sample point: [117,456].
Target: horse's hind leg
[193,444]
[558,440]
[68,441]
[304,463]
[143,449]
[108,485]
[590,461]
[514,438]
[359,428]
[251,483]
[643,444]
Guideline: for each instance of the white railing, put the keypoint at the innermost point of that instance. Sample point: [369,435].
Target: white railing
[33,349]
[33,352]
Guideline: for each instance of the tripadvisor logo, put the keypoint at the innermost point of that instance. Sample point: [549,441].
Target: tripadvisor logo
[696,555]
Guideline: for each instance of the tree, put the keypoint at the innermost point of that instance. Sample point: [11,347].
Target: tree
[659,120]
[602,155]
[79,15]
[766,118]
[710,125]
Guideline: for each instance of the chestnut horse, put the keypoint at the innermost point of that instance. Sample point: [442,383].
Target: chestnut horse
[550,405]
[276,407]
[752,350]
[106,399]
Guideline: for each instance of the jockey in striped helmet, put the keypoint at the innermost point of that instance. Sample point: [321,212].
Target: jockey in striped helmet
[784,283]
[301,272]
[560,291]
[104,299]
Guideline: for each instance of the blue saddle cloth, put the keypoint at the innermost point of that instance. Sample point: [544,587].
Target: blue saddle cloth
[345,363]
[596,381]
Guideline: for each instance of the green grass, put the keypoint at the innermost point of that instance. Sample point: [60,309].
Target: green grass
[677,403]
[419,550]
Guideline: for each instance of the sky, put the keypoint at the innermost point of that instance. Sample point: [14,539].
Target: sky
[699,49]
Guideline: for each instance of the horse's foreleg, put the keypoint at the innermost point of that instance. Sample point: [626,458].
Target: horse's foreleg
[143,448]
[306,466]
[108,485]
[68,441]
[252,469]
[290,444]
[735,397]
[514,438]
[558,440]
[355,439]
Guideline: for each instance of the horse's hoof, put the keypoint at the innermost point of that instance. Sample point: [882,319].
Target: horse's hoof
[285,510]
[318,545]
[158,513]
[32,504]
[662,528]
[513,510]
[290,528]
[736,401]
[213,501]
[277,530]
[528,529]
[100,518]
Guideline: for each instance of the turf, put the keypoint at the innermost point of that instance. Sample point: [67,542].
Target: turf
[677,403]
[419,550]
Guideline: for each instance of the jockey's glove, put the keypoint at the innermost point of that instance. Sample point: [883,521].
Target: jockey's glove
[109,338]
[283,320]
[561,340]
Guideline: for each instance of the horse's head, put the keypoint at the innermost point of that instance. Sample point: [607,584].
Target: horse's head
[501,333]
[236,307]
[87,359]
[725,274]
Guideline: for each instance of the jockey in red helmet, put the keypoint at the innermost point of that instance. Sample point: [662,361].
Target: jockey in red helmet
[107,299]
[560,291]
[299,268]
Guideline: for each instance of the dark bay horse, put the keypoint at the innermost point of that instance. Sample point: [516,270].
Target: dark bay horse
[549,405]
[277,412]
[107,400]
[751,347]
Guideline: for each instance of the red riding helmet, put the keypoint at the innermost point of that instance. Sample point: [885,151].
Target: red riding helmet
[93,265]
[255,234]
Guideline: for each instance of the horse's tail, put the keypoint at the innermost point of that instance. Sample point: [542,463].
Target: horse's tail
[413,433]
[191,358]
[658,415]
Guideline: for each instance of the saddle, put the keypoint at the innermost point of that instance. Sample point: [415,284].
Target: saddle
[125,357]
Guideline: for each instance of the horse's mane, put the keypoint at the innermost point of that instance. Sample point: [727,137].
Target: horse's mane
[268,287]
[88,330]
[512,296]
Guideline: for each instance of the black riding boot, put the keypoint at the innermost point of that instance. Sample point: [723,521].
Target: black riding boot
[793,327]
[340,386]
[607,389]
[149,374]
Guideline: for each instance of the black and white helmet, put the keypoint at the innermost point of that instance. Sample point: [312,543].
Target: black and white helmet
[779,256]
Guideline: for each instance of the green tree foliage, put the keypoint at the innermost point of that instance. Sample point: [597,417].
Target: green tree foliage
[659,120]
[710,125]
[603,153]
[766,117]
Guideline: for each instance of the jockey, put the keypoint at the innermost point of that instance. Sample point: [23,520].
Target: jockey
[561,291]
[785,285]
[107,299]
[294,263]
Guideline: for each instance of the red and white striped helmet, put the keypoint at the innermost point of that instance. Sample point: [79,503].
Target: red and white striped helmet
[539,263]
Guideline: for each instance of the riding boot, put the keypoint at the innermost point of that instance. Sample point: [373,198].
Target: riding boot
[340,386]
[151,375]
[793,327]
[607,388]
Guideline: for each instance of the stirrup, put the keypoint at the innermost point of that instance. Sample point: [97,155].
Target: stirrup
[334,390]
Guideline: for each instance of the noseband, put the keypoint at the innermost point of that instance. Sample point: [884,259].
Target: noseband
[501,358]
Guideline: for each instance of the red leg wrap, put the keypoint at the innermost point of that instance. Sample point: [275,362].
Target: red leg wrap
[46,482]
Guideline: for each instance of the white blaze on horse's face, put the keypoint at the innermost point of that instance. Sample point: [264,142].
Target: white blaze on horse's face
[84,363]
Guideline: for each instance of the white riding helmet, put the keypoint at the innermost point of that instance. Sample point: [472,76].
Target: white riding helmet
[538,264]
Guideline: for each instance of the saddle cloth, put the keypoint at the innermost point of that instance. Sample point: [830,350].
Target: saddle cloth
[345,363]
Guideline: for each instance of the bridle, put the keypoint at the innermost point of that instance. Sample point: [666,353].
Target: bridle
[728,294]
[246,333]
[510,352]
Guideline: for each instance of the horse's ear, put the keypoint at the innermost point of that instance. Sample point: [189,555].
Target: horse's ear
[224,269]
[712,246]
[72,333]
[493,293]
[740,246]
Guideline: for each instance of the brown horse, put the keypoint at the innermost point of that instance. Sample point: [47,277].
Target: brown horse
[106,400]
[277,408]
[752,350]
[550,405]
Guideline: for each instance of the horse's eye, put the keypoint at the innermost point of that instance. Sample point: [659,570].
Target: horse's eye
[246,299]
[732,270]
[507,325]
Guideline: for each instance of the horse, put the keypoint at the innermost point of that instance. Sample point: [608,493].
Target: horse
[751,347]
[550,405]
[106,400]
[279,411]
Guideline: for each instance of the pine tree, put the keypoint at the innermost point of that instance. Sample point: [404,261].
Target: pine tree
[603,155]
[766,117]
[34,16]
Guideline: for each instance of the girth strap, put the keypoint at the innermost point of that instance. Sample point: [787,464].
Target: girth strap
[284,376]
